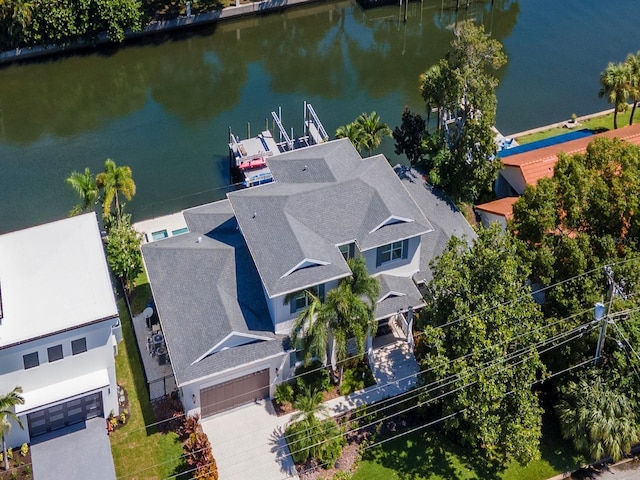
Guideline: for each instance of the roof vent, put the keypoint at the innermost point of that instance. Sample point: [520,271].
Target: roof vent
[304,168]
[254,214]
[199,240]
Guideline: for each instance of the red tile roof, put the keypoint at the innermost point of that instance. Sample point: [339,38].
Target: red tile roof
[502,206]
[539,163]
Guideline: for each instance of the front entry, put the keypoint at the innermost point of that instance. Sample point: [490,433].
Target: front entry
[65,414]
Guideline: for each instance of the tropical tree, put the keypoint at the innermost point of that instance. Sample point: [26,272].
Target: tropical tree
[310,332]
[123,252]
[460,154]
[114,181]
[310,438]
[361,282]
[372,130]
[616,87]
[409,136]
[365,132]
[599,421]
[84,184]
[481,369]
[633,65]
[7,405]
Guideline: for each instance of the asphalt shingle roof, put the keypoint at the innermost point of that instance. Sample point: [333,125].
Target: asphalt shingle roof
[323,196]
[206,287]
[393,303]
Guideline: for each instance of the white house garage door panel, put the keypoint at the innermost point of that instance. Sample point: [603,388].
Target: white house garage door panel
[233,393]
[65,414]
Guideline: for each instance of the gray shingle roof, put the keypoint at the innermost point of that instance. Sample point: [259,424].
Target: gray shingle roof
[323,196]
[204,290]
[443,214]
[393,303]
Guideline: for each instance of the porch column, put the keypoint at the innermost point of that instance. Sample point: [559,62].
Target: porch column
[410,341]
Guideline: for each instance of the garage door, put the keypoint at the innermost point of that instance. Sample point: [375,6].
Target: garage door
[65,414]
[234,393]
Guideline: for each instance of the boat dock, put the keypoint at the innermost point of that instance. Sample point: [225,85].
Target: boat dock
[248,157]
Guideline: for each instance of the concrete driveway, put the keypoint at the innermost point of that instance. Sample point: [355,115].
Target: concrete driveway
[78,452]
[248,442]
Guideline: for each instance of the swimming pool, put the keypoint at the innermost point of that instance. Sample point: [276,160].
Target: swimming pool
[527,147]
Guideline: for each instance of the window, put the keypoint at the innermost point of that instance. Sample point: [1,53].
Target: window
[392,251]
[30,360]
[55,353]
[348,251]
[78,346]
[301,299]
[180,231]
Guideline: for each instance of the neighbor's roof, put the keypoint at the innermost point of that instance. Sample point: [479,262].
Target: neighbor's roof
[502,206]
[323,196]
[53,277]
[537,164]
[206,288]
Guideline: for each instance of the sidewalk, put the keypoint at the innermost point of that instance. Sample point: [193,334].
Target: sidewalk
[248,442]
[627,469]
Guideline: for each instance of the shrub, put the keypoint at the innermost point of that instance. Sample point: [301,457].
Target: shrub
[24,449]
[342,475]
[284,393]
[310,439]
[189,426]
[313,377]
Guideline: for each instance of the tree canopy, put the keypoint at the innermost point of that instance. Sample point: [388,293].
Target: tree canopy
[461,89]
[365,132]
[7,412]
[477,347]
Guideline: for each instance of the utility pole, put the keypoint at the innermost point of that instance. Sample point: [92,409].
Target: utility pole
[599,311]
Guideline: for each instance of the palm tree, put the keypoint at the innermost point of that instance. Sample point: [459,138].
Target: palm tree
[363,284]
[7,404]
[633,64]
[85,186]
[599,421]
[310,333]
[349,317]
[372,130]
[615,86]
[115,180]
[351,132]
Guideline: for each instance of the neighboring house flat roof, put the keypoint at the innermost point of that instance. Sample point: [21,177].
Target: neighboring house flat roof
[502,207]
[323,196]
[53,277]
[209,298]
[446,219]
[537,164]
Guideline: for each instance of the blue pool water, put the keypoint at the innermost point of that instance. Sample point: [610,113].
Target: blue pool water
[527,147]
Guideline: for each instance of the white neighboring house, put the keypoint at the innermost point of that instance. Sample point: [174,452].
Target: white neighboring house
[59,325]
[220,289]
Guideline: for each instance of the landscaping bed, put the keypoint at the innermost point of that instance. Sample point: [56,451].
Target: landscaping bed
[19,464]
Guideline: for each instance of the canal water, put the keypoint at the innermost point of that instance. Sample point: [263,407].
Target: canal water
[164,107]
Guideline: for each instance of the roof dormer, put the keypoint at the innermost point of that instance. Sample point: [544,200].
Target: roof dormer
[392,220]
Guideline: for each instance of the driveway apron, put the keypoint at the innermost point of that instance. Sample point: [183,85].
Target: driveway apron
[78,452]
[248,443]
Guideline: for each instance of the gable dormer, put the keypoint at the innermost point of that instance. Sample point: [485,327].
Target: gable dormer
[390,294]
[234,339]
[391,220]
[306,263]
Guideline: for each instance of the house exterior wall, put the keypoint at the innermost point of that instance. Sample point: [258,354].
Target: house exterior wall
[489,218]
[281,314]
[402,267]
[190,393]
[513,175]
[101,347]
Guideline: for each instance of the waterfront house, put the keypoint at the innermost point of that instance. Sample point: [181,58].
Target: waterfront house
[59,325]
[228,291]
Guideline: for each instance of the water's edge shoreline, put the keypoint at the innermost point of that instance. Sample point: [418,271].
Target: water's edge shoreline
[155,27]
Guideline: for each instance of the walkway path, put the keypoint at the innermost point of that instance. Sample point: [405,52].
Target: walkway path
[248,442]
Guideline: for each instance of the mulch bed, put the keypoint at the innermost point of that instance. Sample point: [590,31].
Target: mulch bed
[165,408]
[19,466]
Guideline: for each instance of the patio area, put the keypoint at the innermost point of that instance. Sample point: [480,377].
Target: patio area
[155,357]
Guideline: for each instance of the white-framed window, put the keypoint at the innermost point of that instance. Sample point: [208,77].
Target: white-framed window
[301,299]
[348,250]
[392,251]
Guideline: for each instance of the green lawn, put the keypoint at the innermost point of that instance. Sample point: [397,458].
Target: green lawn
[424,455]
[604,122]
[139,452]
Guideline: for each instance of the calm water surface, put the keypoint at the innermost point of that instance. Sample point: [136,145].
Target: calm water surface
[165,108]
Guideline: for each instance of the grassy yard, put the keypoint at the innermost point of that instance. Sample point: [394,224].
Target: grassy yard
[423,455]
[139,452]
[604,122]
